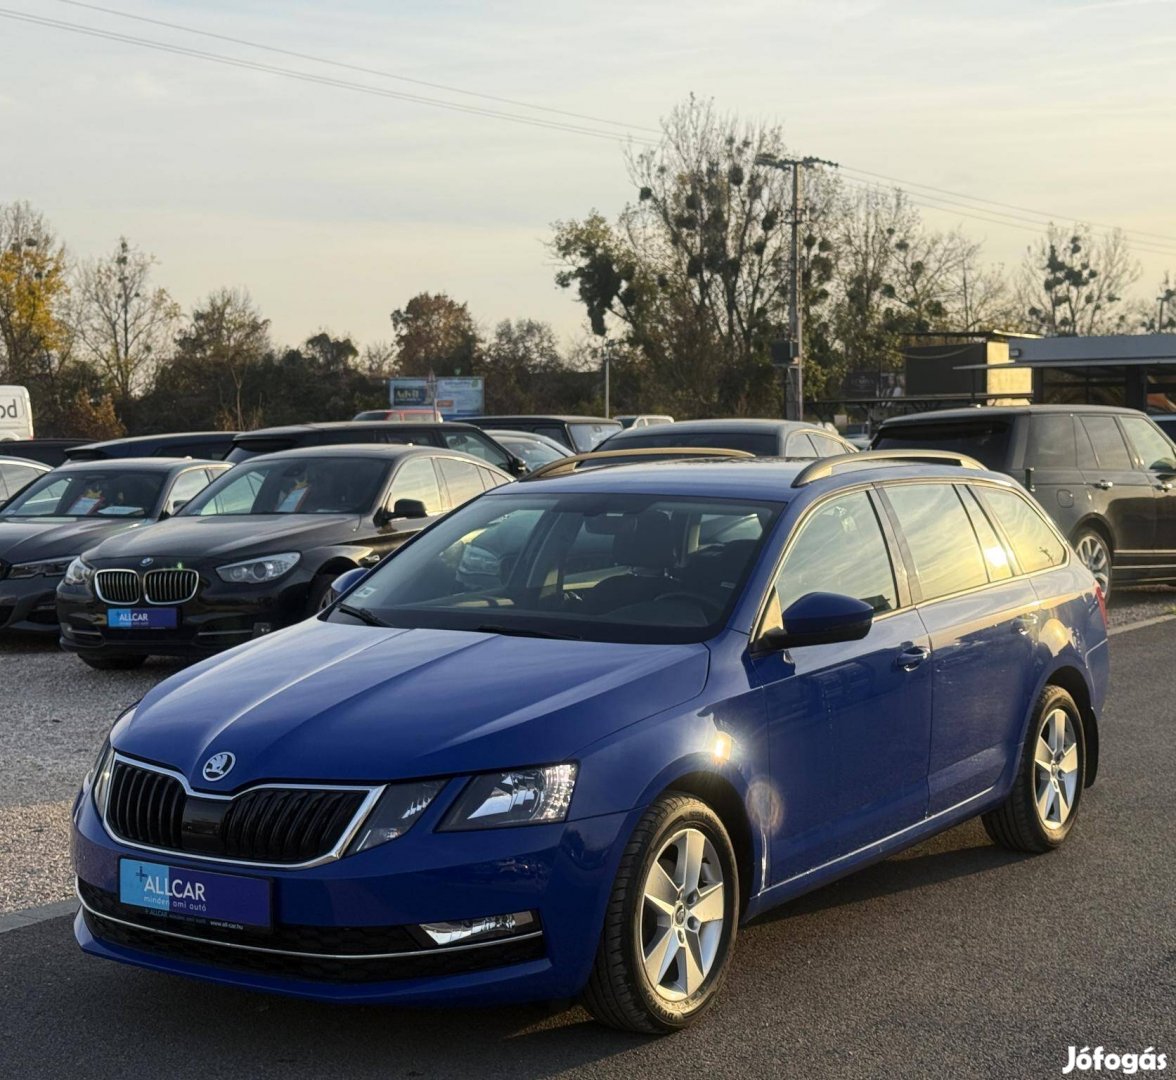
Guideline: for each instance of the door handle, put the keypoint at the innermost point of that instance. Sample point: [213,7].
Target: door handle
[1025,624]
[1104,485]
[912,656]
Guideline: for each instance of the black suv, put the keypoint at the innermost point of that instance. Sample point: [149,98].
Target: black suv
[464,438]
[1107,476]
[173,444]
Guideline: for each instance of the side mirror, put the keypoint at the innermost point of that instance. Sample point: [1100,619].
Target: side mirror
[402,508]
[343,583]
[518,467]
[820,619]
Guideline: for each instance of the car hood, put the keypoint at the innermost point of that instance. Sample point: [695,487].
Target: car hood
[50,538]
[219,537]
[327,701]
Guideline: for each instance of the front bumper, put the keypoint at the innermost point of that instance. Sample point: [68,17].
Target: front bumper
[343,931]
[28,605]
[218,617]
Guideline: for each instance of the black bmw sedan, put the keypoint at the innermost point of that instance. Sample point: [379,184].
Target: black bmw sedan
[257,550]
[64,512]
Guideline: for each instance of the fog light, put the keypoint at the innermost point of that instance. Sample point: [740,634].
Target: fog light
[490,928]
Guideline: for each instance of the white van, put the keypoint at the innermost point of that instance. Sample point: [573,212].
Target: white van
[16,413]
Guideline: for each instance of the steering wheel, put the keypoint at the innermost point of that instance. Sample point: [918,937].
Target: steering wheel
[709,608]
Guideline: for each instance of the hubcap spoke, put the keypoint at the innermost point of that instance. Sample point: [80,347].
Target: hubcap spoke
[1045,800]
[661,955]
[1069,762]
[709,907]
[695,850]
[660,890]
[691,957]
[1044,755]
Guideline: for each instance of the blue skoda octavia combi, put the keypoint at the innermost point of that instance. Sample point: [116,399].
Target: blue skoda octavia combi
[568,738]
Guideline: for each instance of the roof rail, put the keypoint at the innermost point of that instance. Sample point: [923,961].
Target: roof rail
[566,465]
[825,467]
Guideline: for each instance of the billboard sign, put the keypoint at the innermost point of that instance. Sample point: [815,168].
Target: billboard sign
[455,397]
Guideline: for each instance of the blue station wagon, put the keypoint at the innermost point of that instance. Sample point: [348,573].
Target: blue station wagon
[567,739]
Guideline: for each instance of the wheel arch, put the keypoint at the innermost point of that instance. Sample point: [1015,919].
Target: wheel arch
[1096,523]
[1074,683]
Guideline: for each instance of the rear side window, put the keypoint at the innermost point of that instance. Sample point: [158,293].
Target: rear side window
[985,440]
[1034,543]
[1051,442]
[840,549]
[416,479]
[475,443]
[462,479]
[826,446]
[799,445]
[1153,448]
[940,537]
[491,479]
[1107,440]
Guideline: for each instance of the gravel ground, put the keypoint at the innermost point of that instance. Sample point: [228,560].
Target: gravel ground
[57,711]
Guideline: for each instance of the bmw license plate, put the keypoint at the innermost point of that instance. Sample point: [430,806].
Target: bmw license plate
[155,618]
[220,899]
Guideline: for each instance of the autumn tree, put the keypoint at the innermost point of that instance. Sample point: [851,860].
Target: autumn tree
[1072,282]
[124,325]
[434,333]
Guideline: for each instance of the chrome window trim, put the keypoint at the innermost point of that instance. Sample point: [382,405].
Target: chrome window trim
[303,955]
[354,825]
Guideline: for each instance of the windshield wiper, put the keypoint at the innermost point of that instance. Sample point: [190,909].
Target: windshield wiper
[362,614]
[518,631]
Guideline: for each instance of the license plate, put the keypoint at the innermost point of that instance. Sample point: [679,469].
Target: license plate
[156,618]
[195,894]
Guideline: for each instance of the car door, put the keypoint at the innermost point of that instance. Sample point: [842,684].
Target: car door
[1117,490]
[981,618]
[415,478]
[849,724]
[1155,454]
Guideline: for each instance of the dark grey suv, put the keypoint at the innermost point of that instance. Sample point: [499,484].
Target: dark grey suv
[1107,476]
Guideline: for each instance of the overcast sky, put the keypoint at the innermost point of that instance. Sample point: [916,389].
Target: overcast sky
[334,207]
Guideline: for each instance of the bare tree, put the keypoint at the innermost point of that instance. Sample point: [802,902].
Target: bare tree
[123,324]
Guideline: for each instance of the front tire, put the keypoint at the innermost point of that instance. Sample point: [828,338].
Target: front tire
[1043,805]
[113,663]
[1095,554]
[671,921]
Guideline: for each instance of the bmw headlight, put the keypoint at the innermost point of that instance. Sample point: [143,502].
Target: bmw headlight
[79,572]
[517,797]
[395,813]
[256,571]
[42,568]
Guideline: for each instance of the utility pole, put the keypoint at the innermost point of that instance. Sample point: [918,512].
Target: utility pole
[607,359]
[794,402]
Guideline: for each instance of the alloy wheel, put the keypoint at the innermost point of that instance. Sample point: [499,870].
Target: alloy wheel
[1055,760]
[684,906]
[1093,552]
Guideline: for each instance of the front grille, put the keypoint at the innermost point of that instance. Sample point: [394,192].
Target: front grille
[117,586]
[170,586]
[146,807]
[264,825]
[359,969]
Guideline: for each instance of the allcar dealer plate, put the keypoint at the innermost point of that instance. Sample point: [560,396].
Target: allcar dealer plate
[195,894]
[162,618]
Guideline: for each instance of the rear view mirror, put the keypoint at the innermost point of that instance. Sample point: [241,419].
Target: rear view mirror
[820,618]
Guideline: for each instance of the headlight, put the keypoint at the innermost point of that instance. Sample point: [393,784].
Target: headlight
[98,778]
[79,572]
[255,571]
[395,813]
[48,568]
[517,797]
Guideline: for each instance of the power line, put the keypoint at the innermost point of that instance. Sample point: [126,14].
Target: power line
[302,76]
[358,68]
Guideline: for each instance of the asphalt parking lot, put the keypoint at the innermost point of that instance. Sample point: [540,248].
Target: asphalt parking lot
[953,959]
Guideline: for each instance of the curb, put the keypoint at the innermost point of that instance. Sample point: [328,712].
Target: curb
[1142,624]
[16,920]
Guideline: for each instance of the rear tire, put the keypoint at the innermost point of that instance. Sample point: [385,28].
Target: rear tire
[671,921]
[320,589]
[1043,805]
[113,663]
[1095,553]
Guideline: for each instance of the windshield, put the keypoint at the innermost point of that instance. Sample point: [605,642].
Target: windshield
[335,485]
[532,452]
[587,437]
[985,440]
[762,444]
[98,492]
[604,567]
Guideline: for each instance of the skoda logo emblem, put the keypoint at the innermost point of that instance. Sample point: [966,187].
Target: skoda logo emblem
[147,561]
[219,766]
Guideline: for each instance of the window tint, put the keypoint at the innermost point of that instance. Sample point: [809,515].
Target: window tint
[335,485]
[799,445]
[552,432]
[461,477]
[1107,440]
[996,557]
[1034,543]
[1051,442]
[14,477]
[417,479]
[942,542]
[491,479]
[478,445]
[762,444]
[1154,449]
[839,549]
[586,437]
[985,440]
[186,485]
[108,491]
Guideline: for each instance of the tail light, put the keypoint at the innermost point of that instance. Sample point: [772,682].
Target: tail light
[1102,602]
